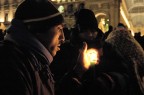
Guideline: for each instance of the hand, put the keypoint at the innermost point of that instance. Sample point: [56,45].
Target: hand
[83,59]
[83,62]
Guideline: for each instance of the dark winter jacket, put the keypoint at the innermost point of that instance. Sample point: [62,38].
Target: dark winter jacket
[121,71]
[24,64]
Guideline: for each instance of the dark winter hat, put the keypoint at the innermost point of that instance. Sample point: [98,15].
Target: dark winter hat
[121,24]
[86,19]
[31,11]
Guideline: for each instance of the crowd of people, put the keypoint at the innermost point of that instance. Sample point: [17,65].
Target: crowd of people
[40,56]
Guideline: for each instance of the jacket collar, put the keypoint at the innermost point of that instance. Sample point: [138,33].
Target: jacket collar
[19,34]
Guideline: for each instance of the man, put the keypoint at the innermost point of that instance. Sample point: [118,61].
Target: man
[31,42]
[85,30]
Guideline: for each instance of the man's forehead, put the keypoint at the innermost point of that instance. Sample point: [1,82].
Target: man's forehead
[61,25]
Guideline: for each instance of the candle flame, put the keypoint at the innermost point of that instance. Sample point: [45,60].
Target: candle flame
[92,55]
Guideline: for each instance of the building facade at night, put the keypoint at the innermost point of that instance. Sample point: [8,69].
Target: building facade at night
[107,12]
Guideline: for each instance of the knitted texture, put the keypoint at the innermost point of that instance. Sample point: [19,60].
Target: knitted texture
[127,46]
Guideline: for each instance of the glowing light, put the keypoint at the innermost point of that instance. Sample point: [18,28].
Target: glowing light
[92,55]
[1,20]
[99,14]
[124,17]
[132,32]
[61,9]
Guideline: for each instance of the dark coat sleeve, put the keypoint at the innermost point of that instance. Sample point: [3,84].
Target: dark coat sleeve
[12,80]
[69,85]
[112,83]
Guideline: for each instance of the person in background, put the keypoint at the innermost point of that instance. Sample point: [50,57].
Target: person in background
[85,30]
[139,38]
[1,35]
[121,26]
[121,70]
[31,42]
[108,32]
[66,33]
[2,26]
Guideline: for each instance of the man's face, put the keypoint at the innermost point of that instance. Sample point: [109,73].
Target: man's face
[52,39]
[88,35]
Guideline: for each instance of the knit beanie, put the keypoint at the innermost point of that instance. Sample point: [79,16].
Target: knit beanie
[38,11]
[86,19]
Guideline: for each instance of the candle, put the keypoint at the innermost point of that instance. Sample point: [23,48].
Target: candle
[92,55]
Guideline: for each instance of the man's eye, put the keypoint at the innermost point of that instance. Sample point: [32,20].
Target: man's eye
[61,30]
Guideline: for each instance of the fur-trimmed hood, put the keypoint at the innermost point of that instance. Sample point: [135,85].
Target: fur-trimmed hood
[131,51]
[126,45]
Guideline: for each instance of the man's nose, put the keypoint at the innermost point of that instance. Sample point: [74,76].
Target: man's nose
[62,37]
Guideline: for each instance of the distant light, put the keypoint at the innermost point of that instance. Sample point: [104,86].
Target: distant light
[58,1]
[69,0]
[1,20]
[103,21]
[124,17]
[63,0]
[10,19]
[61,9]
[132,32]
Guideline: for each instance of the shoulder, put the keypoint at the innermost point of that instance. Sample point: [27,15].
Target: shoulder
[13,69]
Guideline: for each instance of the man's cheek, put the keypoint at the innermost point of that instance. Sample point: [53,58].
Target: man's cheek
[54,50]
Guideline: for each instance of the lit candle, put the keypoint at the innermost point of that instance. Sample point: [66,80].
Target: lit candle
[92,55]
